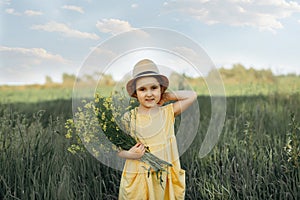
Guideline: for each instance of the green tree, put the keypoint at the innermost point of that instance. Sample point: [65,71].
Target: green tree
[48,80]
[68,78]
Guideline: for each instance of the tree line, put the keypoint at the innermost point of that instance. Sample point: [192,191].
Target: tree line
[237,74]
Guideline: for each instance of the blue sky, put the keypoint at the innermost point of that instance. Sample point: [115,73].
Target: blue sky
[39,38]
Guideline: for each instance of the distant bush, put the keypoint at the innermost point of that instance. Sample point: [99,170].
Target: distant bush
[239,74]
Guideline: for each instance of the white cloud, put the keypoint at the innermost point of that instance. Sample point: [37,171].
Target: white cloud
[30,65]
[134,5]
[5,2]
[36,55]
[263,14]
[73,8]
[65,30]
[113,26]
[12,11]
[32,13]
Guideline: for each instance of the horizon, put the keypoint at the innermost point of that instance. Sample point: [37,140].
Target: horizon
[119,80]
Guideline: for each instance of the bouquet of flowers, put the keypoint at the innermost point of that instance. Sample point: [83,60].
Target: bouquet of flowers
[114,126]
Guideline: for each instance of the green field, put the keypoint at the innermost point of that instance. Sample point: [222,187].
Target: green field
[257,156]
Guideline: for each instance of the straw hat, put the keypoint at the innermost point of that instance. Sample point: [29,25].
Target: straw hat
[146,68]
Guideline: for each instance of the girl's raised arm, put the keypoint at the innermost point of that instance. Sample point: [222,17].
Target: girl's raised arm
[183,98]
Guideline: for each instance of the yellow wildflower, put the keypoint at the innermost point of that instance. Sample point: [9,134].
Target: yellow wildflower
[68,135]
[103,116]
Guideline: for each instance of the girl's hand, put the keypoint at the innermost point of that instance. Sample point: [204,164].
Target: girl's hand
[165,97]
[137,151]
[183,99]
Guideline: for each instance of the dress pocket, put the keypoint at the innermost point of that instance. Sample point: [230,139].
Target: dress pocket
[130,179]
[178,182]
[131,187]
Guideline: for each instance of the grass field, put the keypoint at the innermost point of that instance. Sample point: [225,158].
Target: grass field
[257,156]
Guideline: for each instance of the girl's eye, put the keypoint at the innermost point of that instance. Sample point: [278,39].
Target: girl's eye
[141,89]
[154,87]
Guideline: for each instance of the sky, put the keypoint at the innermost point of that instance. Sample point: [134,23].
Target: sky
[40,39]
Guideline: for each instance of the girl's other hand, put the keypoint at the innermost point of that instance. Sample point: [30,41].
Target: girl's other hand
[137,150]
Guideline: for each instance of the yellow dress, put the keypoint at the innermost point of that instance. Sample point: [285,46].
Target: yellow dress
[157,132]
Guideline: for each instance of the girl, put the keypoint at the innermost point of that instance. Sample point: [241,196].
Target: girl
[154,126]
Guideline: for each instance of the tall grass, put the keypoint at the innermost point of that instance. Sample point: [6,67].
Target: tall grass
[36,165]
[249,162]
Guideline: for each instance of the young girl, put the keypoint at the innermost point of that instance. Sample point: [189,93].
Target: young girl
[154,126]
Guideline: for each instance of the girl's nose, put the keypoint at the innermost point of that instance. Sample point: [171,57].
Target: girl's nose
[149,93]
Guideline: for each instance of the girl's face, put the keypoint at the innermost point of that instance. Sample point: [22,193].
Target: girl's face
[148,92]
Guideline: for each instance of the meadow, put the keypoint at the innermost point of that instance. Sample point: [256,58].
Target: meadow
[256,157]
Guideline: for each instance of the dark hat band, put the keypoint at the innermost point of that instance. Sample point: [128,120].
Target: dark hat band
[146,72]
